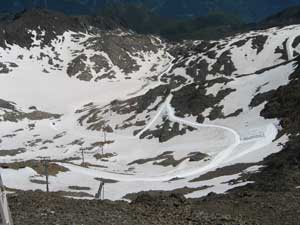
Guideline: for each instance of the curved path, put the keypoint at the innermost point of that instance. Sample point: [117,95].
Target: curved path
[221,157]
[166,107]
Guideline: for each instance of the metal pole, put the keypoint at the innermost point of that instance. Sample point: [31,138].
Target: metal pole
[6,218]
[99,194]
[45,161]
[103,191]
[82,153]
[47,176]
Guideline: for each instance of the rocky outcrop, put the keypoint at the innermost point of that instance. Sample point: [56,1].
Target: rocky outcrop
[7,105]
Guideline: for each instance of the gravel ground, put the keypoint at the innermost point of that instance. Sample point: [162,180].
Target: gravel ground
[241,207]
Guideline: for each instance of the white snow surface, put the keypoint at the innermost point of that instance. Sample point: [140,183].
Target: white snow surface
[245,138]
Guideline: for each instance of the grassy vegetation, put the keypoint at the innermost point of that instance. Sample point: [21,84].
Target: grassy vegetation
[141,20]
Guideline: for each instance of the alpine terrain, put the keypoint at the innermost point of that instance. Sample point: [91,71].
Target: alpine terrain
[102,104]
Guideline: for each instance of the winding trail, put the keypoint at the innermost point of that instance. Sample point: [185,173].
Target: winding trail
[166,108]
[224,156]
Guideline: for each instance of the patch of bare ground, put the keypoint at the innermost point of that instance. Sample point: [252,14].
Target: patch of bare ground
[37,166]
[225,171]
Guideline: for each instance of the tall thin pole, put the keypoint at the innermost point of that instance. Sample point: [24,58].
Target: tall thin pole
[46,169]
[103,191]
[100,194]
[47,176]
[82,154]
[4,209]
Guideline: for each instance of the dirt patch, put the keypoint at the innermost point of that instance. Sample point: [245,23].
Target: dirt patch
[99,156]
[75,194]
[107,181]
[166,131]
[225,171]
[140,197]
[87,165]
[16,116]
[35,181]
[78,188]
[37,166]
[167,159]
[12,152]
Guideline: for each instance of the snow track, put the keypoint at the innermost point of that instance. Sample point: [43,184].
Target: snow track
[139,164]
[222,157]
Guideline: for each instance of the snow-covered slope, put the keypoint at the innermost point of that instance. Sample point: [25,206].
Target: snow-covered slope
[145,114]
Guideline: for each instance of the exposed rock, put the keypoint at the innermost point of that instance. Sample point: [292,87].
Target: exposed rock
[166,131]
[7,105]
[12,152]
[224,64]
[258,42]
[38,166]
[167,159]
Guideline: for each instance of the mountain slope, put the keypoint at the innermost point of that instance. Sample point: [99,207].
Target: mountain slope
[145,114]
[249,10]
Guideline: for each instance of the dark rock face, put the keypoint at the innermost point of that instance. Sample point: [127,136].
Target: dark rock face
[77,65]
[13,115]
[166,131]
[240,43]
[258,42]
[120,48]
[112,46]
[111,49]
[224,65]
[4,68]
[284,104]
[225,171]
[193,100]
[198,71]
[53,23]
[261,98]
[16,31]
[137,105]
[167,159]
[6,105]
[282,171]
[100,62]
[282,51]
[296,42]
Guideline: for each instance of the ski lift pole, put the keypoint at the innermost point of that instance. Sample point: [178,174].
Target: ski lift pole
[82,155]
[6,218]
[103,191]
[100,193]
[45,161]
